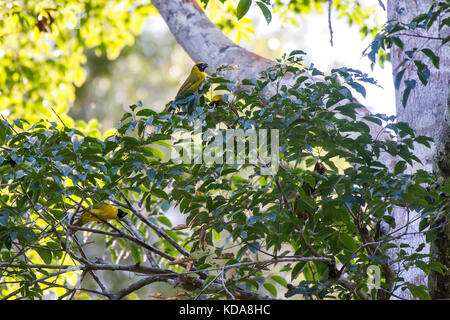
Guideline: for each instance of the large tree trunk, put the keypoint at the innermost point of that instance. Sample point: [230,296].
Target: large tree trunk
[424,112]
[203,41]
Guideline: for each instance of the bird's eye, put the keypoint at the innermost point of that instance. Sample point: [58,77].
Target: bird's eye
[201,66]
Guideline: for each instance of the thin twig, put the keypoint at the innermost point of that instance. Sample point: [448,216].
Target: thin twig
[206,287]
[121,234]
[223,284]
[329,21]
[382,5]
[50,275]
[155,228]
[136,233]
[138,285]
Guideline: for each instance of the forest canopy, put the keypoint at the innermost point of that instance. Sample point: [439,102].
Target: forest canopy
[310,221]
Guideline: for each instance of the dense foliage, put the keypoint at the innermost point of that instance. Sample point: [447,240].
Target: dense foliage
[43,47]
[419,59]
[310,229]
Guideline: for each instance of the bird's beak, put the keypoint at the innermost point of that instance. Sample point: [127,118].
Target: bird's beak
[203,66]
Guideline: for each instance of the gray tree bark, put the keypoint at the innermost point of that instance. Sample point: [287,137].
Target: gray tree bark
[203,41]
[425,113]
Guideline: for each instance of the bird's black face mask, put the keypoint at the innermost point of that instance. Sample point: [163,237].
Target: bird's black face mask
[121,214]
[202,66]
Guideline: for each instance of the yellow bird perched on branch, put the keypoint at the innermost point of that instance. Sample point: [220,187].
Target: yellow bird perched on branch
[103,210]
[193,81]
[217,100]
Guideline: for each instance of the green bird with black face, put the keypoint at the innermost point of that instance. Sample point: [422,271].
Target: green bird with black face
[192,82]
[194,79]
[103,210]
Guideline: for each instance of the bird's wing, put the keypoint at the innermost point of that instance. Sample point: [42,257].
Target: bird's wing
[104,210]
[188,83]
[82,219]
[100,205]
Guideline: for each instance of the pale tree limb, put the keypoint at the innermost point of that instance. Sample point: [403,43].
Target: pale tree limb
[203,41]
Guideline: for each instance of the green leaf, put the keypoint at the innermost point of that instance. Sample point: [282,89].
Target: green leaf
[432,19]
[2,132]
[422,71]
[266,12]
[438,267]
[126,116]
[271,288]
[420,292]
[153,152]
[374,120]
[358,87]
[135,252]
[405,96]
[298,268]
[160,193]
[398,42]
[208,280]
[348,242]
[165,220]
[423,224]
[46,255]
[430,54]
[447,39]
[130,142]
[242,8]
[297,53]
[420,18]
[446,187]
[424,140]
[252,283]
[280,280]
[400,167]
[146,112]
[423,266]
[398,78]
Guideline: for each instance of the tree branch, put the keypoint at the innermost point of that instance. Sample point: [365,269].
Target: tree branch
[121,234]
[155,228]
[330,2]
[203,41]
